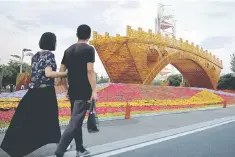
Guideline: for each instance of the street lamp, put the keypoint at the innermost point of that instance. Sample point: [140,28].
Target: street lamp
[29,54]
[1,76]
[21,58]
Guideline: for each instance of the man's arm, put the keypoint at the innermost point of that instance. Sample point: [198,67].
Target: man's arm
[91,76]
[53,74]
[91,72]
[63,68]
[64,83]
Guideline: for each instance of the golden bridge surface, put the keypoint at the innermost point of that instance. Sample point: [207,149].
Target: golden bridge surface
[139,56]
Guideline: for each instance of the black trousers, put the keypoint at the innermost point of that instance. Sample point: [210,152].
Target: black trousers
[78,137]
[74,128]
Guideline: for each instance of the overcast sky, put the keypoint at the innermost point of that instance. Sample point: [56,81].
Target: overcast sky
[208,23]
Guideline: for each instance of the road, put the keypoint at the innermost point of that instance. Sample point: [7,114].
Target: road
[117,130]
[216,142]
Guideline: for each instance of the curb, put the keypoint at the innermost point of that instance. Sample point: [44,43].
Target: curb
[62,124]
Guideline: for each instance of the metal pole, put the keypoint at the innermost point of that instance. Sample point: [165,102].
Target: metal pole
[156,25]
[159,16]
[1,77]
[21,62]
[174,28]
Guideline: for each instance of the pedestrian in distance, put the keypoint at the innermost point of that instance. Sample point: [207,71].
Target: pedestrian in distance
[11,88]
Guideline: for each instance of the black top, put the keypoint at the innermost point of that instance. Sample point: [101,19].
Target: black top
[75,59]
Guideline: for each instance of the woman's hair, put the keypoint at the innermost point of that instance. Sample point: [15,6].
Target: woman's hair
[48,41]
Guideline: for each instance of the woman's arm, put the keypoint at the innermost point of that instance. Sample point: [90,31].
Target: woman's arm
[53,74]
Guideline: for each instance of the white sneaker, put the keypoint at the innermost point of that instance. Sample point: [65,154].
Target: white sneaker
[83,154]
[69,147]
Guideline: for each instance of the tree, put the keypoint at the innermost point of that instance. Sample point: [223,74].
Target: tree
[227,82]
[1,76]
[11,70]
[233,62]
[155,82]
[175,80]
[102,79]
[160,82]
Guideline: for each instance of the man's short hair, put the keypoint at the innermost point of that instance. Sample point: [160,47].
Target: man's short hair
[48,41]
[83,32]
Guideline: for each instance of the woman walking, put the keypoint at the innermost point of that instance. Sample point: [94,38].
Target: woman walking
[35,122]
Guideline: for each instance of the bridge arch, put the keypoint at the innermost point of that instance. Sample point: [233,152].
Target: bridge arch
[194,72]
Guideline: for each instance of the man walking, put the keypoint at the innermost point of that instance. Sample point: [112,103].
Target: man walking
[79,61]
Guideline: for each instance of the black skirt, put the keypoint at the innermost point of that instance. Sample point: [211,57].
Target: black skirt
[34,124]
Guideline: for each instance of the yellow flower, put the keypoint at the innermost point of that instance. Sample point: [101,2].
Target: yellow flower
[203,97]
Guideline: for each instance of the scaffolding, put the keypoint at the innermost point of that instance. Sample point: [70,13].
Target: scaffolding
[165,22]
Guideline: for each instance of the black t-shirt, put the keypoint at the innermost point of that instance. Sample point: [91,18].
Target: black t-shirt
[75,59]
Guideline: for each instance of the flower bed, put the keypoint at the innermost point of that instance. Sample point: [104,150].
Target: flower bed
[143,99]
[122,92]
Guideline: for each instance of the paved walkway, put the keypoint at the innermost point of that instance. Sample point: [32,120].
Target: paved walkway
[216,142]
[117,130]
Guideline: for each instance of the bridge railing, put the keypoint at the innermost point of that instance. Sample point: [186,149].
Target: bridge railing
[172,42]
